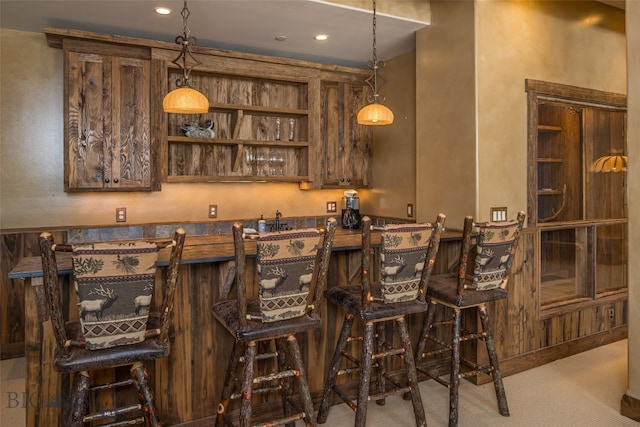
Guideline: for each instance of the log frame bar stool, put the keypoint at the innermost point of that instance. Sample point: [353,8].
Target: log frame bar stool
[495,247]
[115,327]
[292,270]
[407,257]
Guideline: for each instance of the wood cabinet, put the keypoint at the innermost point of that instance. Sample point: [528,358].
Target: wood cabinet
[580,212]
[107,117]
[347,145]
[275,119]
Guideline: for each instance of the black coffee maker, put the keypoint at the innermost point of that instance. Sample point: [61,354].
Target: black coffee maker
[351,210]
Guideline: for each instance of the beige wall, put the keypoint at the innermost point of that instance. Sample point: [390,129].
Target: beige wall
[484,139]
[394,168]
[633,142]
[445,114]
[31,155]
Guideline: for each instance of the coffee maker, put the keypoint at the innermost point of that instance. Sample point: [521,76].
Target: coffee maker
[351,210]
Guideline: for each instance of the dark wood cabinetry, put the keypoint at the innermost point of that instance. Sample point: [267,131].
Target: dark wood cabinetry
[275,119]
[580,212]
[347,145]
[107,117]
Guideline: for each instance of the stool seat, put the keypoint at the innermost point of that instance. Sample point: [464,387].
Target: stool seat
[440,289]
[350,299]
[227,313]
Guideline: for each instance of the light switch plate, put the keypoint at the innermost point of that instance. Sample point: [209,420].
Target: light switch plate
[499,214]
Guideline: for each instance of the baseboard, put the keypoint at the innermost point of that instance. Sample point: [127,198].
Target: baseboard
[11,351]
[630,407]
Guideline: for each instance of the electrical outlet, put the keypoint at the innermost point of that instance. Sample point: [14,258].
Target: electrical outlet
[121,214]
[612,314]
[498,214]
[410,210]
[331,207]
[213,211]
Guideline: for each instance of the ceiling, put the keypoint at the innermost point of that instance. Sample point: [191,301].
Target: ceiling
[244,25]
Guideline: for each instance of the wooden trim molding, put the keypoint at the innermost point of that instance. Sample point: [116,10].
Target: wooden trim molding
[630,407]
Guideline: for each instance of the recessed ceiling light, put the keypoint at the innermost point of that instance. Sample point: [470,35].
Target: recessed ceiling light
[321,37]
[162,10]
[281,38]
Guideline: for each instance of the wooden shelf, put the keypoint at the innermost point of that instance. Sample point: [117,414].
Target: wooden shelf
[255,109]
[549,192]
[550,160]
[229,141]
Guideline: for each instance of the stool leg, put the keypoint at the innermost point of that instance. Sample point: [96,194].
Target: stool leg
[303,385]
[247,384]
[237,351]
[412,375]
[140,375]
[79,398]
[334,367]
[285,385]
[365,375]
[503,408]
[381,362]
[424,333]
[455,369]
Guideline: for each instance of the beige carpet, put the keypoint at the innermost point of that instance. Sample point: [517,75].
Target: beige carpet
[579,391]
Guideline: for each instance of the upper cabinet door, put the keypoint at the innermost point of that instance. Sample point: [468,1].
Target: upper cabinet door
[107,126]
[347,145]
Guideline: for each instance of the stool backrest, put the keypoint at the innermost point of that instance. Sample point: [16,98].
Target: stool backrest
[404,254]
[495,247]
[407,257]
[292,267]
[114,284]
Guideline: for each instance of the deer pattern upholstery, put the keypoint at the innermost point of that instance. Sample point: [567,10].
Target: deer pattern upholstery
[493,256]
[114,284]
[402,256]
[286,261]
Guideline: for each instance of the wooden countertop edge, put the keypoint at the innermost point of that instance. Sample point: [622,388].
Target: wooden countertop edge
[203,249]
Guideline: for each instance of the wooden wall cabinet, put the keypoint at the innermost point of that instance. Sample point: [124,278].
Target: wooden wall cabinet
[580,214]
[107,117]
[347,145]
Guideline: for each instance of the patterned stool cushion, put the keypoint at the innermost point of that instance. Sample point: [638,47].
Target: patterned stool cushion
[493,254]
[285,268]
[114,285]
[403,252]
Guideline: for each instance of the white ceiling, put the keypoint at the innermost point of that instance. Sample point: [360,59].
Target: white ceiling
[245,25]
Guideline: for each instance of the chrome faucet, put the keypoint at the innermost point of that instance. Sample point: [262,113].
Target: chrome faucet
[278,215]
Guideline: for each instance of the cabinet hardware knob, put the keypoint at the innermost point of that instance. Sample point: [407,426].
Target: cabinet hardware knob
[106,180]
[115,180]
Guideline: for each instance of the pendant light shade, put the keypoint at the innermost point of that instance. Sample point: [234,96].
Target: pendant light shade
[375,114]
[613,163]
[184,99]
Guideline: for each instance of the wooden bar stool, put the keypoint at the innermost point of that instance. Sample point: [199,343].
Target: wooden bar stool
[407,256]
[470,289]
[114,284]
[292,269]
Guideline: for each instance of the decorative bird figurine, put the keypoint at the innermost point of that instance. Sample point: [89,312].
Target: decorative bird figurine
[192,130]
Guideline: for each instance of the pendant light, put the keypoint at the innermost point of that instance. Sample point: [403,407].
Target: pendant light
[612,163]
[375,114]
[184,99]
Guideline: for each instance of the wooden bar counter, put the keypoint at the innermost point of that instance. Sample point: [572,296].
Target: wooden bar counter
[187,384]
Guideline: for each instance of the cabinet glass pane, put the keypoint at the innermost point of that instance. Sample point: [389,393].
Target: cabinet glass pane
[562,265]
[611,257]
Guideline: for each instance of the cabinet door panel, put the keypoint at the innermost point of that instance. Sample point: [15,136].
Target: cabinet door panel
[86,140]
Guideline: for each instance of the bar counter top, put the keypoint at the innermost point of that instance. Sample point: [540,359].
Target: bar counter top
[203,249]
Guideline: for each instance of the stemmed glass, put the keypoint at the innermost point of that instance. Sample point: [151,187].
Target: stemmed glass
[249,161]
[280,163]
[261,160]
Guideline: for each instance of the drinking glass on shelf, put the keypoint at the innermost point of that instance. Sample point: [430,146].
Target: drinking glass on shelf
[278,120]
[280,163]
[292,126]
[273,162]
[261,160]
[249,160]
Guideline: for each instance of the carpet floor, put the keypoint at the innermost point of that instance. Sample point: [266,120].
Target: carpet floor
[583,390]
